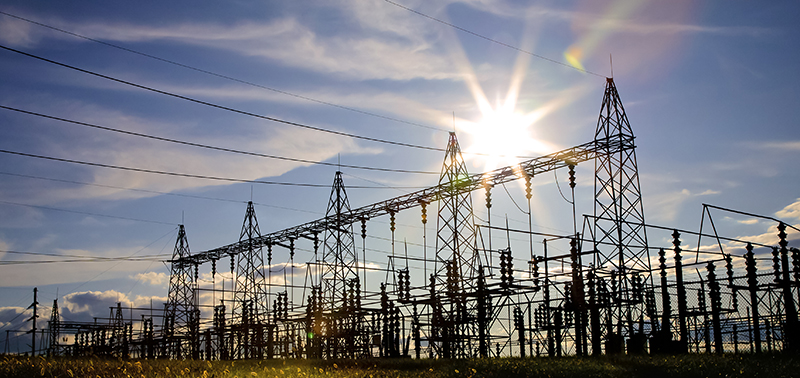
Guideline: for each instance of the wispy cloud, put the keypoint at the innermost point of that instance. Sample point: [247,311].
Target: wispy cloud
[395,53]
[668,204]
[791,145]
[791,211]
[152,278]
[85,305]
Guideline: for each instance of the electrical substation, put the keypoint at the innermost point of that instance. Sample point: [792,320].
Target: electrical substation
[614,291]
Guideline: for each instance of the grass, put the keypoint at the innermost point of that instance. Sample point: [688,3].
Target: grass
[693,365]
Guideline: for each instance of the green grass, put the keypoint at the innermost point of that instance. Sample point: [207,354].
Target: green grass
[768,365]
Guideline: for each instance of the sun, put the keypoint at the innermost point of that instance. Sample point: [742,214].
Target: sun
[503,137]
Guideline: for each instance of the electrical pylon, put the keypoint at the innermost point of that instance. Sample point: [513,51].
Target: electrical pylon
[54,325]
[619,236]
[250,294]
[180,310]
[457,260]
[339,275]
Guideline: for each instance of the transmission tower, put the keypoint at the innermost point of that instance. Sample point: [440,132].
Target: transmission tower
[55,325]
[339,274]
[456,257]
[619,225]
[180,310]
[250,295]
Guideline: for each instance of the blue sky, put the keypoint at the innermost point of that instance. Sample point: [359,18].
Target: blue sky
[711,90]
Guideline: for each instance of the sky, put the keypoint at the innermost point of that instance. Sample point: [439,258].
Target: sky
[710,89]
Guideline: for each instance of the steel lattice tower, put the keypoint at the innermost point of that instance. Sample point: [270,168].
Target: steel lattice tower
[339,269]
[180,309]
[456,258]
[55,325]
[619,225]
[250,295]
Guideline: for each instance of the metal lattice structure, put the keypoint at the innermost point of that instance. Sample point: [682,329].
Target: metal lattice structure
[181,316]
[599,297]
[250,293]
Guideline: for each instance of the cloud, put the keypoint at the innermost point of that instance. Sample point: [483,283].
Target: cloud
[152,278]
[86,305]
[791,145]
[668,204]
[11,317]
[791,211]
[396,53]
[115,149]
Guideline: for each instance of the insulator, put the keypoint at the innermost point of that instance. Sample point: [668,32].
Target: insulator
[729,268]
[213,268]
[796,262]
[650,303]
[662,260]
[488,189]
[363,228]
[424,212]
[528,194]
[384,297]
[269,254]
[291,249]
[572,176]
[782,235]
[776,264]
[391,220]
[408,285]
[196,272]
[638,286]
[233,265]
[676,241]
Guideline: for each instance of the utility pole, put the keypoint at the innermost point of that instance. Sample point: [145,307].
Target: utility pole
[35,315]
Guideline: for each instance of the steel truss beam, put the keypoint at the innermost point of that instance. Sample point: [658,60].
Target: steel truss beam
[533,167]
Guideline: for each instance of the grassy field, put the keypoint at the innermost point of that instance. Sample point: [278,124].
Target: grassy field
[771,366]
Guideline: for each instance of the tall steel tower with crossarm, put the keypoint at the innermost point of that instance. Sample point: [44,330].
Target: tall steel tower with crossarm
[619,225]
[250,291]
[457,260]
[180,311]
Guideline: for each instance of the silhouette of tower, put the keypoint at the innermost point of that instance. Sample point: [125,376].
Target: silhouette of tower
[339,273]
[250,294]
[456,257]
[54,325]
[619,224]
[180,310]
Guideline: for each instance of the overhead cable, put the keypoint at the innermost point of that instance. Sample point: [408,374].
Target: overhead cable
[222,107]
[243,112]
[223,149]
[153,191]
[84,213]
[188,175]
[183,65]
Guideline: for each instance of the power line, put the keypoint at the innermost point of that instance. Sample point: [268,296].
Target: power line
[153,191]
[188,175]
[222,107]
[493,40]
[250,114]
[84,213]
[223,149]
[83,256]
[220,75]
[31,262]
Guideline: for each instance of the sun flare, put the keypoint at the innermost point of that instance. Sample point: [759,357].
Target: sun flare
[503,137]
